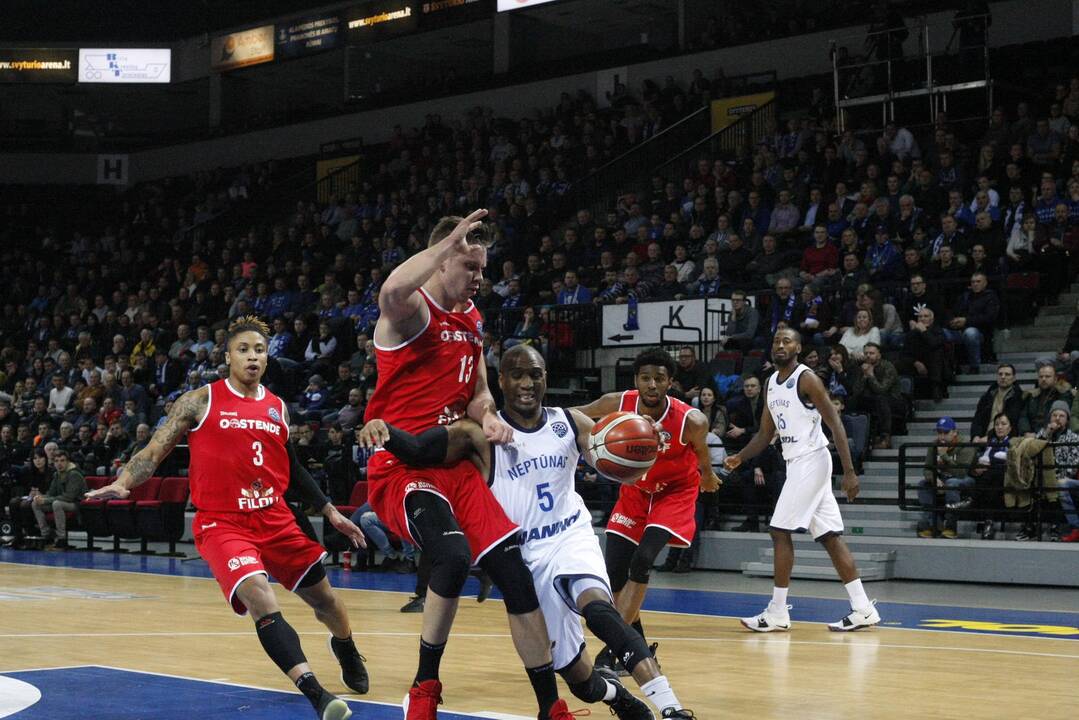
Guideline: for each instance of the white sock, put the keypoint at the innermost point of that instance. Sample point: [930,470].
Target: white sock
[779,598]
[659,693]
[858,599]
[612,691]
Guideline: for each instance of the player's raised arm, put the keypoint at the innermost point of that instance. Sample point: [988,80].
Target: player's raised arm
[398,299]
[601,406]
[696,435]
[186,413]
[813,388]
[760,441]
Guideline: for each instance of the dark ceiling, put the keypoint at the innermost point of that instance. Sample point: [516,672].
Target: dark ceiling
[133,20]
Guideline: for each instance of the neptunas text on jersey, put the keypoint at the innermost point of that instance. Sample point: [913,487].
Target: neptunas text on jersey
[543,462]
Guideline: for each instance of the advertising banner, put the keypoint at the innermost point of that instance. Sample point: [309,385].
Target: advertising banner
[443,13]
[726,111]
[308,35]
[504,5]
[379,20]
[38,65]
[133,65]
[240,49]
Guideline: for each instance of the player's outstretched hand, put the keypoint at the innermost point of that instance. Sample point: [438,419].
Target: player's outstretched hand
[732,462]
[458,238]
[347,528]
[109,492]
[850,484]
[374,434]
[496,431]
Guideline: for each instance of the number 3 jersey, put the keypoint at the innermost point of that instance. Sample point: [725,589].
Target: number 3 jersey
[239,456]
[797,422]
[429,379]
[532,478]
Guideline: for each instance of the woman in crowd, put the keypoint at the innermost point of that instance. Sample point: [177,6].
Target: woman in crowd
[856,337]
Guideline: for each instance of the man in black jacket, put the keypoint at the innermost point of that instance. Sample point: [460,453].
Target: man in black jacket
[1003,396]
[923,350]
[975,316]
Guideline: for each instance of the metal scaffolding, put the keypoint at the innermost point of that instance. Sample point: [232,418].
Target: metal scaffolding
[883,75]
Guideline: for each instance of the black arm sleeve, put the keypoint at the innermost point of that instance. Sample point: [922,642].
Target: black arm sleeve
[301,481]
[423,450]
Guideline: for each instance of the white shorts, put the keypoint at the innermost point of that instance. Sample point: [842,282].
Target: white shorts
[561,572]
[806,502]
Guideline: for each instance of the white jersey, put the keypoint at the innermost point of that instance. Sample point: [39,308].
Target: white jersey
[798,422]
[532,478]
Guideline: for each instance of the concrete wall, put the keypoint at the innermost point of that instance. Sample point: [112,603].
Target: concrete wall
[1014,21]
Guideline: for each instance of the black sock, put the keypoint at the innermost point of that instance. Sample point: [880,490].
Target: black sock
[636,625]
[430,659]
[309,686]
[545,687]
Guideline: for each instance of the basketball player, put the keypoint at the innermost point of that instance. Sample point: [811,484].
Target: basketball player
[429,344]
[796,402]
[660,508]
[241,460]
[533,479]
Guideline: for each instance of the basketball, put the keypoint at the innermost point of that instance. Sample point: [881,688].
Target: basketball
[624,446]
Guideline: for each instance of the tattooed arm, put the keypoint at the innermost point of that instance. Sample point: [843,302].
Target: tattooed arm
[186,413]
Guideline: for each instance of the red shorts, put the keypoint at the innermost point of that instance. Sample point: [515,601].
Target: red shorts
[237,545]
[481,518]
[673,508]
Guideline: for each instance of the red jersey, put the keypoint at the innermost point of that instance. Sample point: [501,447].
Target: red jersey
[429,379]
[677,461]
[239,458]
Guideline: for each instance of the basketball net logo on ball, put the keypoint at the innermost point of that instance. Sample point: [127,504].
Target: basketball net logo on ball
[624,446]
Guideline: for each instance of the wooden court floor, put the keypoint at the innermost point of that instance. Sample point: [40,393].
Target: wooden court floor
[181,626]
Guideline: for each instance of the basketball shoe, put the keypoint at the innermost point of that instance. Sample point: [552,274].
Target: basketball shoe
[559,711]
[332,708]
[680,714]
[773,618]
[423,700]
[624,706]
[857,620]
[353,672]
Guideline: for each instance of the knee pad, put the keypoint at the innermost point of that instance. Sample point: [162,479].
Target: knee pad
[450,562]
[510,574]
[605,623]
[640,567]
[653,540]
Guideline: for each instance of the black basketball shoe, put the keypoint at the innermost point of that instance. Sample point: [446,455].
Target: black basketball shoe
[353,672]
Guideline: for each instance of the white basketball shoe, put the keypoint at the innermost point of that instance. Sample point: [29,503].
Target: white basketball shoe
[857,620]
[773,618]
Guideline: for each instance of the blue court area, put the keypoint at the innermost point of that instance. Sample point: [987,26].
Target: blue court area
[99,692]
[940,618]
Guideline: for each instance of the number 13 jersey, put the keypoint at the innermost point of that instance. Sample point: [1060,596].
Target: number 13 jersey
[429,379]
[797,422]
